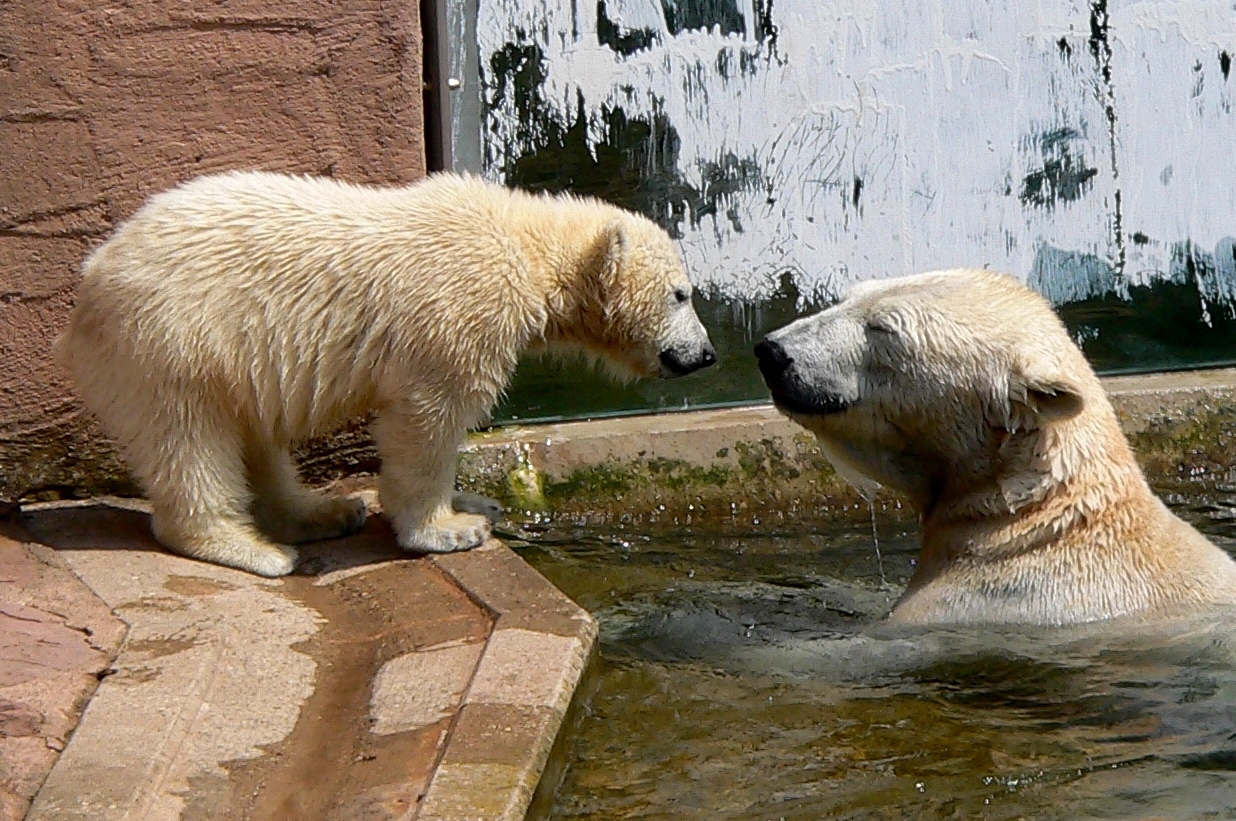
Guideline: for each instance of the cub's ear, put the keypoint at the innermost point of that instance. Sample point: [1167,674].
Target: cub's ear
[614,243]
[1040,393]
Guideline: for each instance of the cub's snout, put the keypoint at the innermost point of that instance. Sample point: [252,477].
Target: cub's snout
[680,362]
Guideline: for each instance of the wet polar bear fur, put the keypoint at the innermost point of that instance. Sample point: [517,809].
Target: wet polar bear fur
[240,313]
[963,391]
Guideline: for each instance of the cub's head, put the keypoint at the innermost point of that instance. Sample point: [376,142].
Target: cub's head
[935,384]
[636,314]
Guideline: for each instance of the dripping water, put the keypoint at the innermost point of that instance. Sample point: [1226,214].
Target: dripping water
[866,487]
[875,538]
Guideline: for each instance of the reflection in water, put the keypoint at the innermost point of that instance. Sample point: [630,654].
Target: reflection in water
[746,676]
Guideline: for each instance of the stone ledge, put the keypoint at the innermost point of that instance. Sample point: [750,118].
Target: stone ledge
[57,639]
[459,668]
[634,465]
[520,694]
[376,686]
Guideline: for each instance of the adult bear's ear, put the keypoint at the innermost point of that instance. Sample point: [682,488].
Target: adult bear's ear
[1040,392]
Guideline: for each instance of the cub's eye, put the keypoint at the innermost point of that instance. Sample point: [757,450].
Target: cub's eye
[681,295]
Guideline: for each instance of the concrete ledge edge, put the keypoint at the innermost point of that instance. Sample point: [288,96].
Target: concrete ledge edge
[525,683]
[751,461]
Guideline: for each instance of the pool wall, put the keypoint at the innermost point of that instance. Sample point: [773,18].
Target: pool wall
[752,462]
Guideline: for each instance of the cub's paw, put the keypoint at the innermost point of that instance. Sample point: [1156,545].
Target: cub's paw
[332,518]
[272,563]
[449,534]
[256,556]
[465,502]
[329,517]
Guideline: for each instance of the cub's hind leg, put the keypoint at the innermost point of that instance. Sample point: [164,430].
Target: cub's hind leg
[289,512]
[189,456]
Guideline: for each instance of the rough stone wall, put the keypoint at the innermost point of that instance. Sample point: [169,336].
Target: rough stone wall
[103,103]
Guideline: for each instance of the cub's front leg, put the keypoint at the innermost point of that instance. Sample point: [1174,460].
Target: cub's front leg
[417,483]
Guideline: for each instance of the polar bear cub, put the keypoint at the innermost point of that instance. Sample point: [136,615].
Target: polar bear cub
[963,391]
[239,313]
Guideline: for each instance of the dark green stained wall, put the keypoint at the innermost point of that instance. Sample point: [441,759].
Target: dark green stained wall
[546,388]
[1156,327]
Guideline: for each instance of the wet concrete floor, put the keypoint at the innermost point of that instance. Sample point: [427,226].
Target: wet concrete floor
[367,686]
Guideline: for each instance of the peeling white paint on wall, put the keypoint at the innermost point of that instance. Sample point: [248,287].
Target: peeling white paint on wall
[902,135]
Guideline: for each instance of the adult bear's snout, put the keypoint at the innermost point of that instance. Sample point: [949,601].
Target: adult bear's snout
[798,389]
[773,359]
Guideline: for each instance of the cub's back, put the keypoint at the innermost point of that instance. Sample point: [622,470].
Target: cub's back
[267,250]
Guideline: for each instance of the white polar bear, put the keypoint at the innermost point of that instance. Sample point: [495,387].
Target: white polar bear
[239,313]
[963,391]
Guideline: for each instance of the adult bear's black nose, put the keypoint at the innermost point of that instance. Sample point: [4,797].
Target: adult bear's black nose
[773,359]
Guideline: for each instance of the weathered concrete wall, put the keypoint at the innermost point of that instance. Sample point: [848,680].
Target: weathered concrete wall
[1077,142]
[102,104]
[798,146]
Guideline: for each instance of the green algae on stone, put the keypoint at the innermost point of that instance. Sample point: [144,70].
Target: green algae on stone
[600,481]
[525,484]
[679,474]
[765,459]
[1193,442]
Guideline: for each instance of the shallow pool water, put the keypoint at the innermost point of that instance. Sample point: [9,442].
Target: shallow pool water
[745,675]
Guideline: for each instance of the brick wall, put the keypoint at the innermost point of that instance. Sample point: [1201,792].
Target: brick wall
[103,103]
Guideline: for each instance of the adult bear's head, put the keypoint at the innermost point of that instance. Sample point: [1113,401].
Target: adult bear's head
[938,384]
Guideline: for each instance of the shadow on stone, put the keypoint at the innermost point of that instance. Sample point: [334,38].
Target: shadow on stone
[124,524]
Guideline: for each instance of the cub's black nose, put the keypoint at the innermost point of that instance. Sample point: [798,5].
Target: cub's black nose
[773,359]
[673,364]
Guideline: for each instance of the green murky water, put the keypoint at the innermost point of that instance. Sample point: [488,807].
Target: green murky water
[746,676]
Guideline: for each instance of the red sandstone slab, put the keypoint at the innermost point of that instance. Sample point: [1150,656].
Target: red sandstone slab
[372,685]
[56,639]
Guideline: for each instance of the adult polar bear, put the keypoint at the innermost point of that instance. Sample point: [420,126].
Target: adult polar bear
[241,312]
[962,390]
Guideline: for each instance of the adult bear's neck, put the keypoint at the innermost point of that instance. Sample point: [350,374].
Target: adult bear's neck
[1084,471]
